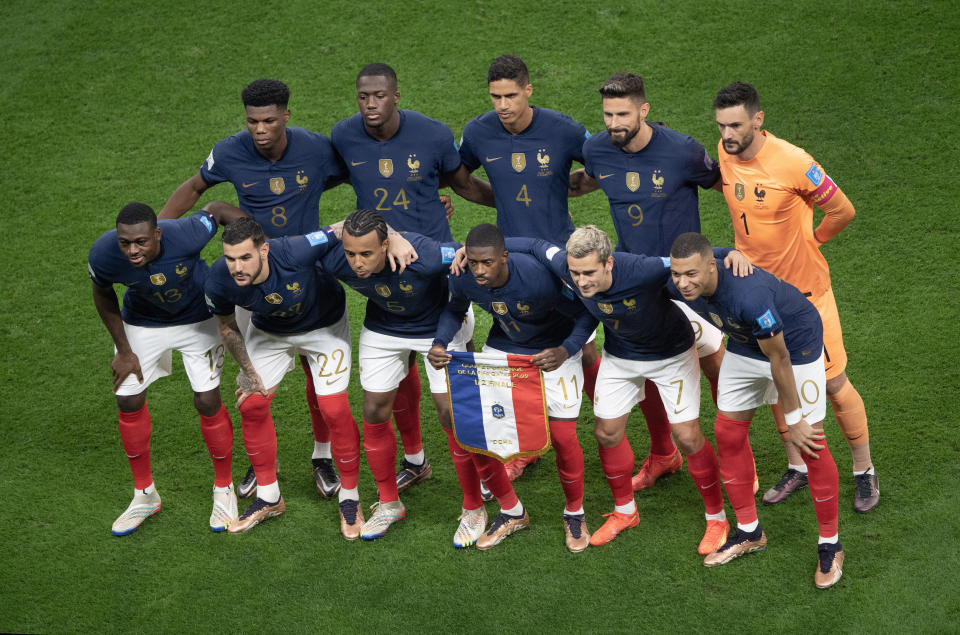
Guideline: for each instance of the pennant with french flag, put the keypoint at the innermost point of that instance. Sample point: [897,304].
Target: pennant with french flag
[498,404]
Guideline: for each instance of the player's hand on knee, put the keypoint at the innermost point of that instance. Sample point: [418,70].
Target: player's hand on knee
[400,253]
[438,356]
[447,205]
[738,264]
[805,437]
[124,365]
[248,384]
[550,359]
[459,264]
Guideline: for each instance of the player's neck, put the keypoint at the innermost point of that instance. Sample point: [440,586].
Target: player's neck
[640,141]
[754,149]
[387,130]
[522,123]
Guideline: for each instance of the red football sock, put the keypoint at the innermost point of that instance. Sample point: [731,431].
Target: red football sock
[736,466]
[217,433]
[406,411]
[495,476]
[345,437]
[705,471]
[617,463]
[466,473]
[563,436]
[657,423]
[135,430]
[380,446]
[321,432]
[260,437]
[824,483]
[590,378]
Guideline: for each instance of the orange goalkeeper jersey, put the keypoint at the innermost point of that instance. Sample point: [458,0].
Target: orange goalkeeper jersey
[771,200]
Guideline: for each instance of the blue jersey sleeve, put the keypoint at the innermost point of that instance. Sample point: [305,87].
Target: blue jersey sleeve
[701,169]
[216,301]
[450,157]
[452,317]
[763,317]
[213,170]
[550,255]
[467,154]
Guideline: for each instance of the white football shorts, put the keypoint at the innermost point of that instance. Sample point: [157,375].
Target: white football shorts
[706,337]
[620,385]
[562,387]
[746,383]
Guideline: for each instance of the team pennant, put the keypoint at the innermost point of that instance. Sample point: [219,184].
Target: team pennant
[498,404]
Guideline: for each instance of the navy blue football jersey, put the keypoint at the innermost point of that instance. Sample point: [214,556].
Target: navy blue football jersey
[296,297]
[758,307]
[404,304]
[653,192]
[166,291]
[528,171]
[283,195]
[532,311]
[399,177]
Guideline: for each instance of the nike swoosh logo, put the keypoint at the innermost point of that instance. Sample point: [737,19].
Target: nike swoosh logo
[708,486]
[730,481]
[676,412]
[604,176]
[246,185]
[492,159]
[824,500]
[332,381]
[356,163]
[804,415]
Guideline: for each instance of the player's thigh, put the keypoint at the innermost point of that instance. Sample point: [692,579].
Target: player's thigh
[706,337]
[678,382]
[744,383]
[437,378]
[834,353]
[383,360]
[271,354]
[152,347]
[328,351]
[619,386]
[811,383]
[202,351]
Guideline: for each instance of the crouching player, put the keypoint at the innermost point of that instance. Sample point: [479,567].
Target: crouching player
[775,348]
[533,314]
[163,311]
[401,317]
[648,338]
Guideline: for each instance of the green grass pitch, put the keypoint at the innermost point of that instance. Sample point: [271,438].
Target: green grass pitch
[108,102]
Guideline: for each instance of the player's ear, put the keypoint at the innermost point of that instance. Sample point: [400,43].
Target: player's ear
[645,109]
[528,90]
[396,97]
[264,249]
[758,120]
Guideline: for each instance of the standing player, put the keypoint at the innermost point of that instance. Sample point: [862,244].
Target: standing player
[401,318]
[295,310]
[397,160]
[279,173]
[650,174]
[526,153]
[647,339]
[776,348]
[533,314]
[771,187]
[163,310]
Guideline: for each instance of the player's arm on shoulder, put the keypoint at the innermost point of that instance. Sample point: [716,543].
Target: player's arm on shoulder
[581,183]
[223,213]
[125,362]
[734,260]
[400,252]
[470,187]
[553,257]
[184,197]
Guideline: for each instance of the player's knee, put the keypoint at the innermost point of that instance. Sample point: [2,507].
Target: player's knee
[607,436]
[131,403]
[687,436]
[835,384]
[207,403]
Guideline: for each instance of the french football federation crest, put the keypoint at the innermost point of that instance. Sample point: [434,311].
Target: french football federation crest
[386,168]
[716,320]
[413,164]
[277,186]
[733,324]
[543,159]
[497,411]
[519,161]
[605,307]
[633,181]
[657,178]
[181,270]
[630,303]
[302,180]
[158,279]
[406,287]
[500,308]
[739,191]
[274,298]
[523,308]
[383,290]
[295,287]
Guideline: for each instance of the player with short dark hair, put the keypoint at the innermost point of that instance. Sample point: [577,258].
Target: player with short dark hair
[775,350]
[163,310]
[397,161]
[647,340]
[650,175]
[534,314]
[527,152]
[401,318]
[771,186]
[279,173]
